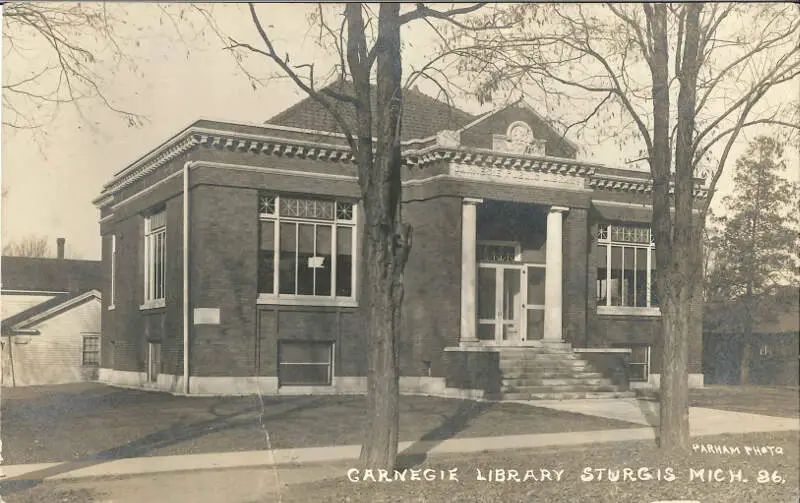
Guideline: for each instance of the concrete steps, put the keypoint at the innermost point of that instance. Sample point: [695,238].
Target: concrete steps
[574,395]
[565,381]
[551,372]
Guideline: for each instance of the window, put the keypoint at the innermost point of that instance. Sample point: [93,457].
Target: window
[640,361]
[305,363]
[625,267]
[498,251]
[113,271]
[306,248]
[155,256]
[91,350]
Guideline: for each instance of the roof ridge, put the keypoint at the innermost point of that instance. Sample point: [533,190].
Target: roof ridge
[406,92]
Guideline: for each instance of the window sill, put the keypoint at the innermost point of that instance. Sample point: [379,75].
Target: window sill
[628,311]
[153,304]
[306,301]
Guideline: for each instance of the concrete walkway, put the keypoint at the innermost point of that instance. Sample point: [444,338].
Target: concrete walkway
[702,422]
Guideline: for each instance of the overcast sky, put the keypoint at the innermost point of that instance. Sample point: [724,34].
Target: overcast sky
[51,176]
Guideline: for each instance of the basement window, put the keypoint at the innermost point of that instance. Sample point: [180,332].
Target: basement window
[640,361]
[305,363]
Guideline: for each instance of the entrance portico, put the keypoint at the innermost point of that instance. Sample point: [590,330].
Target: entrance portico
[511,273]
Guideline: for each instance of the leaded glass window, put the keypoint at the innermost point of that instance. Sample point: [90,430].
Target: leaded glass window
[625,266]
[306,247]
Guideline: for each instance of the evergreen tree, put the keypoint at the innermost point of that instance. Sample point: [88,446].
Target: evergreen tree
[756,245]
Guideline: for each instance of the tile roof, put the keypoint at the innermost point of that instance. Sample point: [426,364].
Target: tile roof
[423,115]
[50,274]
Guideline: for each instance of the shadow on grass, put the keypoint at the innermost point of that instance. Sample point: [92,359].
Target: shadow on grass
[174,434]
[417,453]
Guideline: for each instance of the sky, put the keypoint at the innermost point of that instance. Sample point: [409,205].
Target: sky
[51,175]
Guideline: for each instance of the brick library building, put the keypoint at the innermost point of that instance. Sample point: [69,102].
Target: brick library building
[232,263]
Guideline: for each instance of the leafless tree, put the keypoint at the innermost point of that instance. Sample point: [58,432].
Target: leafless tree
[65,54]
[67,41]
[369,72]
[30,246]
[683,82]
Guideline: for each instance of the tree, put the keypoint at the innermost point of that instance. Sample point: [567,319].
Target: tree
[757,245]
[30,246]
[69,39]
[369,54]
[64,54]
[680,82]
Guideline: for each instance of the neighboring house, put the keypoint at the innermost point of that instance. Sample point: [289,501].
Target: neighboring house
[520,252]
[51,320]
[769,357]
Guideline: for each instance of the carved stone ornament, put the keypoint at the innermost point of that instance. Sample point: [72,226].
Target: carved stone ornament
[518,139]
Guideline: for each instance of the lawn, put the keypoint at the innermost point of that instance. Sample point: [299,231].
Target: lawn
[783,488]
[329,482]
[768,401]
[95,422]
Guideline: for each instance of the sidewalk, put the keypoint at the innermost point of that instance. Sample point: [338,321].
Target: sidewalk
[703,422]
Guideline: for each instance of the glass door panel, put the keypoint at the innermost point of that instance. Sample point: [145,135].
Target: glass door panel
[511,305]
[536,286]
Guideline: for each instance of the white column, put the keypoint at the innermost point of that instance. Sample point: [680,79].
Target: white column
[469,269]
[553,297]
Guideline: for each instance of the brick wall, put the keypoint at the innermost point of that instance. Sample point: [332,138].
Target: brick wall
[127,329]
[223,262]
[432,306]
[606,330]
[342,326]
[575,249]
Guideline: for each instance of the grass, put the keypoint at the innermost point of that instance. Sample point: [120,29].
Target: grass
[769,401]
[329,483]
[96,422]
[572,489]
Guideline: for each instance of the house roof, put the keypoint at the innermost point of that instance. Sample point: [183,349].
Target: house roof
[775,314]
[46,310]
[423,116]
[50,274]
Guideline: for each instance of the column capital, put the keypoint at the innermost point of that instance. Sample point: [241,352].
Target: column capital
[472,200]
[559,209]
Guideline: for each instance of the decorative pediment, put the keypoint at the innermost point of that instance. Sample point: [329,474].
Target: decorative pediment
[519,139]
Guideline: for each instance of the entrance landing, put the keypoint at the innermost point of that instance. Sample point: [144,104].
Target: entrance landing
[551,371]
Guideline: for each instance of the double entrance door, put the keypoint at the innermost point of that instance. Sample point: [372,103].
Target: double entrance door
[510,302]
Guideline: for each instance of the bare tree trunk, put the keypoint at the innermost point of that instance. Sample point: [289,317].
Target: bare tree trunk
[674,415]
[387,241]
[745,365]
[682,257]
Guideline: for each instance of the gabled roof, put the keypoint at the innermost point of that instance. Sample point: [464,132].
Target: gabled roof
[45,310]
[423,116]
[50,274]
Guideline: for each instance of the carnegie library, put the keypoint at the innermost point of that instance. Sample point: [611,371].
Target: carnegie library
[232,264]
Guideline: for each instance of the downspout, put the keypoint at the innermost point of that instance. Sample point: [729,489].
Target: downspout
[186,167]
